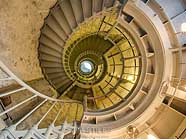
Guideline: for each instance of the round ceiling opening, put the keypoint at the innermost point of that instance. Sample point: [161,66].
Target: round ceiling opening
[86,67]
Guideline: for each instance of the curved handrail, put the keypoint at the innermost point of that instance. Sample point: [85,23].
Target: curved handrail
[26,86]
[12,132]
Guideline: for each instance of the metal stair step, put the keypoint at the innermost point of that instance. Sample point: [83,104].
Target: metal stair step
[78,10]
[61,19]
[50,33]
[87,8]
[109,3]
[97,4]
[54,24]
[53,70]
[48,57]
[68,12]
[46,41]
[49,51]
[51,64]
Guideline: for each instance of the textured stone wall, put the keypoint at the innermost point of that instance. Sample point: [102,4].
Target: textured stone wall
[20,24]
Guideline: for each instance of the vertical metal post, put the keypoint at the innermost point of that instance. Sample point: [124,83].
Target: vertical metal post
[50,128]
[62,134]
[85,103]
[26,116]
[17,105]
[46,114]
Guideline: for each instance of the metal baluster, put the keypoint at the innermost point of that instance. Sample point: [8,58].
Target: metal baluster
[62,132]
[35,127]
[12,92]
[17,105]
[46,114]
[6,79]
[49,130]
[75,121]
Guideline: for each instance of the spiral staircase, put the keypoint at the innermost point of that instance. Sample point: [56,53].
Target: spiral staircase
[110,69]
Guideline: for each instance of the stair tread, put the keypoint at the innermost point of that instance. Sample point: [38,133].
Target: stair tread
[77,10]
[68,13]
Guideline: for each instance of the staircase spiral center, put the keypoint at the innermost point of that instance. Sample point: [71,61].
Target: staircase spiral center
[86,67]
[100,61]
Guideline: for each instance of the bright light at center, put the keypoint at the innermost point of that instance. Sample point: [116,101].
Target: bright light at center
[86,67]
[183,27]
[149,136]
